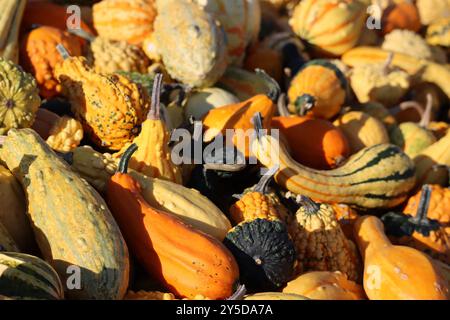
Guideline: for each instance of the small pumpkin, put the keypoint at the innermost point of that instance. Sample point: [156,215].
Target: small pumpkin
[264,252]
[396,272]
[110,107]
[320,84]
[331,27]
[19,97]
[361,130]
[325,285]
[39,56]
[401,15]
[418,231]
[127,20]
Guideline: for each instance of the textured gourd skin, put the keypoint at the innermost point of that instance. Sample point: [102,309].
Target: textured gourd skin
[332,27]
[376,177]
[425,161]
[110,107]
[190,42]
[39,56]
[187,204]
[407,42]
[396,272]
[65,135]
[71,222]
[425,71]
[187,261]
[325,285]
[412,138]
[361,130]
[13,214]
[325,83]
[129,21]
[23,276]
[109,56]
[19,97]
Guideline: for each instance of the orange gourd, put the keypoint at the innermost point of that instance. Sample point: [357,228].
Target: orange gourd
[239,117]
[268,59]
[346,216]
[403,15]
[315,143]
[186,261]
[39,56]
[396,272]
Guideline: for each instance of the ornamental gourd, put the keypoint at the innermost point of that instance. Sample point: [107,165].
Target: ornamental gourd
[325,285]
[13,215]
[71,222]
[432,10]
[437,33]
[401,15]
[65,135]
[361,130]
[407,42]
[19,97]
[319,84]
[25,277]
[153,157]
[186,261]
[239,116]
[110,107]
[39,56]
[376,177]
[380,112]
[124,20]
[419,231]
[12,13]
[404,273]
[331,27]
[190,42]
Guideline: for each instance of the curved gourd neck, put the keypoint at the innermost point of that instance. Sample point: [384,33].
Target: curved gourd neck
[370,232]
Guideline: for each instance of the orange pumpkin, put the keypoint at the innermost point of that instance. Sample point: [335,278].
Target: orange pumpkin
[403,15]
[39,56]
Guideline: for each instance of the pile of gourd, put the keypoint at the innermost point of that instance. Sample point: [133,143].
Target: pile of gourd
[355,201]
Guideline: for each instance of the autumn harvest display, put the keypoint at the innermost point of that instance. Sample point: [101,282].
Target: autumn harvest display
[225,150]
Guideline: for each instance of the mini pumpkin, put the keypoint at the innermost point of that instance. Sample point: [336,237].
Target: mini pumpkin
[418,231]
[361,130]
[19,97]
[110,107]
[124,20]
[319,84]
[332,27]
[39,56]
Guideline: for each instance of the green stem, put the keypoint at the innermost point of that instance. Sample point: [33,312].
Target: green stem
[154,113]
[125,159]
[275,89]
[258,124]
[304,104]
[310,206]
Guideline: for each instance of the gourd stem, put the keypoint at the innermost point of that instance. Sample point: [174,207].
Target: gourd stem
[311,207]
[426,117]
[154,113]
[407,105]
[275,89]
[281,106]
[304,104]
[62,51]
[123,163]
[257,122]
[263,183]
[82,34]
[422,210]
[387,63]
[239,293]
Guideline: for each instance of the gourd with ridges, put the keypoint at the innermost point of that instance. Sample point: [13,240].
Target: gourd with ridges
[23,276]
[65,135]
[185,203]
[320,84]
[380,176]
[71,222]
[110,107]
[19,97]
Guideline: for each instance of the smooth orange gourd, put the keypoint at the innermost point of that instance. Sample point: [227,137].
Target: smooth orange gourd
[396,272]
[186,261]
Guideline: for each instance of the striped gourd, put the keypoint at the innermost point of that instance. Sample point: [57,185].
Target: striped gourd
[23,276]
[376,177]
[333,27]
[72,223]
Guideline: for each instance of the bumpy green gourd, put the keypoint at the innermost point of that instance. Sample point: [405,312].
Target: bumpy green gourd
[19,97]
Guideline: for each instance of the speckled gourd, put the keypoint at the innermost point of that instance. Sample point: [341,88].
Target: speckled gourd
[110,107]
[190,42]
[72,223]
[19,97]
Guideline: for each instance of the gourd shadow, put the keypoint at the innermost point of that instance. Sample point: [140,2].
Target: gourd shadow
[432,173]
